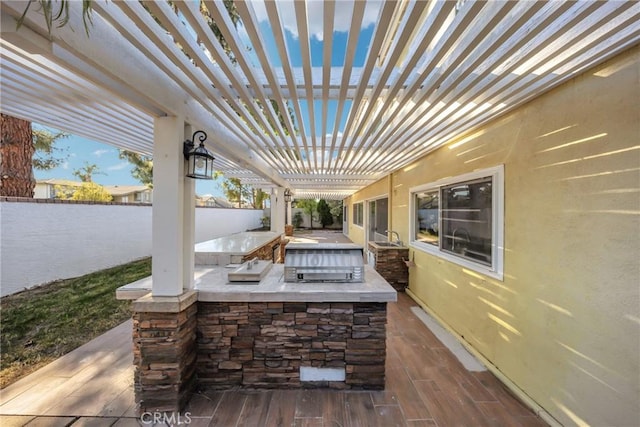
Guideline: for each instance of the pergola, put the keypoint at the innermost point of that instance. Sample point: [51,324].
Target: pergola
[323,98]
[328,98]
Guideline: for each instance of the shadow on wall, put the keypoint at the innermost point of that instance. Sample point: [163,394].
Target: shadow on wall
[577,303]
[564,325]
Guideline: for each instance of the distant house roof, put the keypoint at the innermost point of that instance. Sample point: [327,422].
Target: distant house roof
[218,202]
[114,190]
[63,182]
[123,190]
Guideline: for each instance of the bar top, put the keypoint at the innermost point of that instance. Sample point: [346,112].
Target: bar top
[212,285]
[237,244]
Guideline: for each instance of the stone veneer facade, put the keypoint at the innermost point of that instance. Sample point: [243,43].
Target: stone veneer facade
[223,345]
[391,266]
[263,345]
[164,356]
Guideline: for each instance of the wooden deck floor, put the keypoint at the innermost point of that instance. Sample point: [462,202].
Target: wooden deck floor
[426,386]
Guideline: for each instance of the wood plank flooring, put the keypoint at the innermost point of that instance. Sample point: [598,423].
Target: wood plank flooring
[426,386]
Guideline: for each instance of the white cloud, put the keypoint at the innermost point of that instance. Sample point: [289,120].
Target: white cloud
[259,10]
[315,12]
[65,165]
[118,167]
[99,153]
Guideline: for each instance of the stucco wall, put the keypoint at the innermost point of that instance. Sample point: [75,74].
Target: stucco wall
[42,242]
[564,324]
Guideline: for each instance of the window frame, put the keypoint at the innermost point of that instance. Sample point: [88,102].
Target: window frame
[496,269]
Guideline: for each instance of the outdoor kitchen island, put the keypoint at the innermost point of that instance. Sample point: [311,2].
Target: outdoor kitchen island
[266,334]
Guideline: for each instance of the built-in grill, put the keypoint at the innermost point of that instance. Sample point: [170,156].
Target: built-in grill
[323,262]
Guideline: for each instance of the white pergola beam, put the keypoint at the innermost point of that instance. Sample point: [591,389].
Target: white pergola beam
[433,71]
[305,53]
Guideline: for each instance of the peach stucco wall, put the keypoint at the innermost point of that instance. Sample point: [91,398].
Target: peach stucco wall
[564,323]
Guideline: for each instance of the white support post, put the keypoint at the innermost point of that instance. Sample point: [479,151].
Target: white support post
[274,212]
[168,207]
[189,222]
[289,213]
[277,210]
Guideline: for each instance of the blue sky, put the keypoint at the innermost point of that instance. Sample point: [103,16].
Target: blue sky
[114,171]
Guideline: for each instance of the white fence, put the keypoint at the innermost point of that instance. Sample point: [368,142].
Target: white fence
[43,242]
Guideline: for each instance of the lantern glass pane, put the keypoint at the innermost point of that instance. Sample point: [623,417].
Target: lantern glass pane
[190,166]
[200,165]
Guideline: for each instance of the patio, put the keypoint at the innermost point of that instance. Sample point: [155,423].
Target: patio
[498,140]
[426,386]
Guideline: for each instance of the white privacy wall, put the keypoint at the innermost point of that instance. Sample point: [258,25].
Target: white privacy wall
[43,242]
[214,222]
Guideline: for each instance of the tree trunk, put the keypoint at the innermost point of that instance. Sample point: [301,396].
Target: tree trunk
[16,154]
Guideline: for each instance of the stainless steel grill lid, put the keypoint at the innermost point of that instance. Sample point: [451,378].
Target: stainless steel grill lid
[323,262]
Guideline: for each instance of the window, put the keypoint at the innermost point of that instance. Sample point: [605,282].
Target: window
[378,220]
[358,214]
[460,219]
[427,216]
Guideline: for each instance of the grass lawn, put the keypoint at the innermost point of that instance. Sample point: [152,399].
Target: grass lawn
[41,324]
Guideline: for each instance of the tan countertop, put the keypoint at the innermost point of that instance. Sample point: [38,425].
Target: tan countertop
[236,244]
[212,285]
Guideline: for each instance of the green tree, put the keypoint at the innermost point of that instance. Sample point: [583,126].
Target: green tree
[235,18]
[234,191]
[85,173]
[336,209]
[47,156]
[297,219]
[142,166]
[22,150]
[309,207]
[64,192]
[89,192]
[59,15]
[324,213]
[258,198]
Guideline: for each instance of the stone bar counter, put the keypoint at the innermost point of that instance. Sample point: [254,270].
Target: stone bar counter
[267,334]
[239,247]
[390,263]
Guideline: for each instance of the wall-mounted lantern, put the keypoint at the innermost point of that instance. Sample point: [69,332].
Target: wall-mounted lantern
[199,158]
[288,229]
